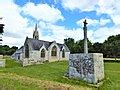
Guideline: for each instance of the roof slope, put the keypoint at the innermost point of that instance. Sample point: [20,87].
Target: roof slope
[37,44]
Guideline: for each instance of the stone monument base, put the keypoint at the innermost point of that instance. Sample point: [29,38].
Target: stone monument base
[88,67]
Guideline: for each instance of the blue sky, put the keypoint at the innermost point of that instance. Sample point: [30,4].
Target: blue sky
[59,19]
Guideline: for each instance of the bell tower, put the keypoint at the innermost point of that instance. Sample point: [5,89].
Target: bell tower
[35,33]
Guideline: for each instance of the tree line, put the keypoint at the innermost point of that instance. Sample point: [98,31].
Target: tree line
[109,48]
[6,50]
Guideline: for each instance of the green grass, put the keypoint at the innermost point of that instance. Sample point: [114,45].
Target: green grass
[53,72]
[112,72]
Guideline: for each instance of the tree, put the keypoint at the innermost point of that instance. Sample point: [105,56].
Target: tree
[97,47]
[112,46]
[70,43]
[80,46]
[6,50]
[109,48]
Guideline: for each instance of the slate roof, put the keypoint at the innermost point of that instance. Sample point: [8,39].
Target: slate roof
[37,44]
[20,49]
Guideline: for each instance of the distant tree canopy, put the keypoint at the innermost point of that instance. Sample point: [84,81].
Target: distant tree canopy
[78,46]
[112,46]
[6,50]
[109,48]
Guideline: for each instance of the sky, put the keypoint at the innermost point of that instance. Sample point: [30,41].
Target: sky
[59,19]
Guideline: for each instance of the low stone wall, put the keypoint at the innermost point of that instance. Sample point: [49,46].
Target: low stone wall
[1,56]
[87,67]
[2,62]
[27,62]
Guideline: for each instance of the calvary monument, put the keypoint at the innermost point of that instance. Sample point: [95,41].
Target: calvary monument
[86,66]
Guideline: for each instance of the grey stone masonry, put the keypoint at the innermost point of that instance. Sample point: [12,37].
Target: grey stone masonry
[88,67]
[2,61]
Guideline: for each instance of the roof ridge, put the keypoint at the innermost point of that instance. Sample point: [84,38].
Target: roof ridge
[38,40]
[43,40]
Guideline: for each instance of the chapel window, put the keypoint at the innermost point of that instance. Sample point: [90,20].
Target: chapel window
[42,53]
[54,51]
[63,53]
[26,51]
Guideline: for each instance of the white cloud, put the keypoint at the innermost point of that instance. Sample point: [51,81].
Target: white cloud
[59,33]
[99,34]
[43,12]
[82,5]
[94,22]
[16,26]
[91,22]
[116,19]
[109,7]
[103,22]
[15,29]
[103,33]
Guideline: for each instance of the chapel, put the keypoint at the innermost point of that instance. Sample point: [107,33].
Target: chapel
[40,50]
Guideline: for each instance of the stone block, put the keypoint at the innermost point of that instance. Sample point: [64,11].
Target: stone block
[1,56]
[2,62]
[87,67]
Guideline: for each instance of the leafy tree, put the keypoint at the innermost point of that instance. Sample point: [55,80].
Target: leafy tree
[97,47]
[80,46]
[70,43]
[112,46]
[109,48]
[6,50]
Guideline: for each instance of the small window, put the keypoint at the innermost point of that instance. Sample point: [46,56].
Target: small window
[42,53]
[54,51]
[63,53]
[27,51]
[18,57]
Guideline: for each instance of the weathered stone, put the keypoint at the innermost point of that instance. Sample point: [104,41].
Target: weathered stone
[1,56]
[2,62]
[88,67]
[36,51]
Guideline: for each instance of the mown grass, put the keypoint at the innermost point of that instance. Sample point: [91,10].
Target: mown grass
[54,72]
[112,72]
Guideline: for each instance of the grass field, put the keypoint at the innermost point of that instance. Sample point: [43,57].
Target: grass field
[51,75]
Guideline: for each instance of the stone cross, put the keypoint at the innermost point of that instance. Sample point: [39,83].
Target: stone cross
[85,36]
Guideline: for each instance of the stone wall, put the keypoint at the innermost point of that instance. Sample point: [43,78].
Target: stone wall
[27,62]
[87,67]
[1,56]
[2,61]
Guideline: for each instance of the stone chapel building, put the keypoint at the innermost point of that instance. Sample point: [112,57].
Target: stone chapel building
[39,50]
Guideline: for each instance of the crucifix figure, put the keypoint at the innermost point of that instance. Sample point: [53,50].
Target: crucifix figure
[85,36]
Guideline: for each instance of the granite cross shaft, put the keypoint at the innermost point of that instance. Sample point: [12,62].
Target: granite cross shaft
[85,37]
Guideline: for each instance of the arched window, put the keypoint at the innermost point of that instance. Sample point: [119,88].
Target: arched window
[54,51]
[63,53]
[26,51]
[42,53]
